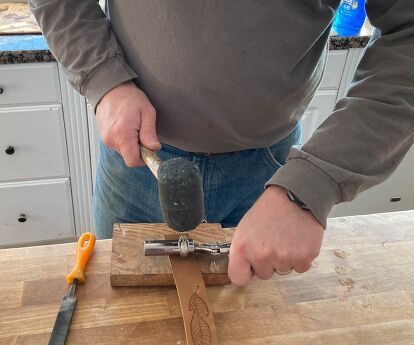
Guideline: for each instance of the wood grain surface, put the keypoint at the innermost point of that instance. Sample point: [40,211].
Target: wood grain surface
[16,19]
[359,291]
[130,267]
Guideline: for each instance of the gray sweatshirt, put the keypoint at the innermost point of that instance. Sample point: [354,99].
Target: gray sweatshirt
[227,75]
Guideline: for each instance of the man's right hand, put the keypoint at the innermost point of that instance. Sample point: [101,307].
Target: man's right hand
[125,117]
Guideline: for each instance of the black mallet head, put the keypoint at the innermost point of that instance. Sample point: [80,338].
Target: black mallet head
[181,194]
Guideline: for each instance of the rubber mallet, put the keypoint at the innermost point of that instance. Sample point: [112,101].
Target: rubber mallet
[180,190]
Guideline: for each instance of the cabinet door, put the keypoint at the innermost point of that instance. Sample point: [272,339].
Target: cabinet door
[35,211]
[333,71]
[32,143]
[395,194]
[29,83]
[319,109]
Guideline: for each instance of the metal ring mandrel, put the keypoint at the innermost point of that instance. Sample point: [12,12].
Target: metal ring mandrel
[183,247]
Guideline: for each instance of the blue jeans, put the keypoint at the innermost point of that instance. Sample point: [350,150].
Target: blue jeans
[231,183]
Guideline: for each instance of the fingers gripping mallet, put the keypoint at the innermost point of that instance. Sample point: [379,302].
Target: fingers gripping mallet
[180,190]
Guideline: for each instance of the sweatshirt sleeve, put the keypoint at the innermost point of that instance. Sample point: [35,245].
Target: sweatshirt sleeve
[371,129]
[80,38]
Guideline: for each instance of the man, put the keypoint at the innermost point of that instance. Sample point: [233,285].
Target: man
[225,83]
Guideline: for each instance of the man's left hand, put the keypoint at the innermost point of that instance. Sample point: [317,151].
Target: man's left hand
[275,235]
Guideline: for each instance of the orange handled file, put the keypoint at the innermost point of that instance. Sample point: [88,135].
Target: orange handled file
[84,250]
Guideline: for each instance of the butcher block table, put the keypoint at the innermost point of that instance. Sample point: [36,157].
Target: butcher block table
[359,291]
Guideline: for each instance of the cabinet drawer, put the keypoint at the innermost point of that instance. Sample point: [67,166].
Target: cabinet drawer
[35,211]
[32,143]
[29,83]
[334,69]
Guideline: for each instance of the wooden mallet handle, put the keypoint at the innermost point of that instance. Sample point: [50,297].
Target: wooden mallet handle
[150,158]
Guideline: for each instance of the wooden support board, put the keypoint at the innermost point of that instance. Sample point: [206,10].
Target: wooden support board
[129,266]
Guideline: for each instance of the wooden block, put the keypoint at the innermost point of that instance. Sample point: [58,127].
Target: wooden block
[129,266]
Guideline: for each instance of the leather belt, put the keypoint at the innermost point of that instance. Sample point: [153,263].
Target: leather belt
[192,293]
[218,154]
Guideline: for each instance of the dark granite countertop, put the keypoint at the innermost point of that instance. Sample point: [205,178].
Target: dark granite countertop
[24,48]
[339,43]
[33,48]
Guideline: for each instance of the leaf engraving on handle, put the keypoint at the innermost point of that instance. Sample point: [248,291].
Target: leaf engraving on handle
[200,330]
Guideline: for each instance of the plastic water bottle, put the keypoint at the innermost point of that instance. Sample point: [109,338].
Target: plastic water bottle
[349,18]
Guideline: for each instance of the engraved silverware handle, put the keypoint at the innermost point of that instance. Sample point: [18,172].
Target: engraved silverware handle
[213,248]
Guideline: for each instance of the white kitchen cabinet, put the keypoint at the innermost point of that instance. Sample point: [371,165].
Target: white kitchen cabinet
[332,77]
[353,58]
[44,157]
[35,211]
[318,111]
[32,143]
[77,140]
[94,140]
[29,83]
[325,98]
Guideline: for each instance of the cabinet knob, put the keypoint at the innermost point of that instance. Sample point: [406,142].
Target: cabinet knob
[1,89]
[9,150]
[22,218]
